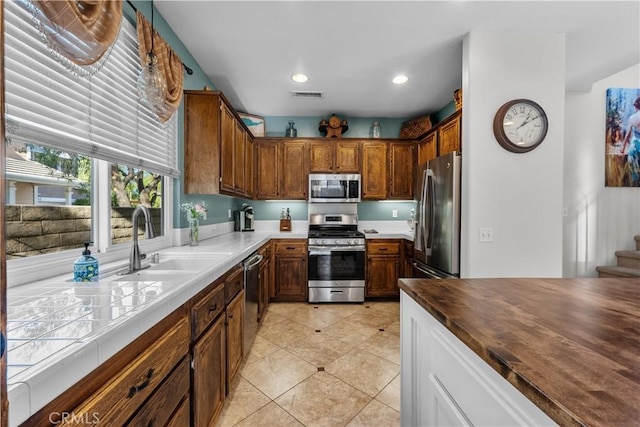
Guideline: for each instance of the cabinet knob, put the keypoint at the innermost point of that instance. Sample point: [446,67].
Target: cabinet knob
[213,308]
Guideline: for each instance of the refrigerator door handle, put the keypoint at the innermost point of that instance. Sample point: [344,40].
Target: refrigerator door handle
[429,190]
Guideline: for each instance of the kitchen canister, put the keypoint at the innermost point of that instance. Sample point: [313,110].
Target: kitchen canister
[375,130]
[291,131]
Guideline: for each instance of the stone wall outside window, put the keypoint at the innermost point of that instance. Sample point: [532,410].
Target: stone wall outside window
[35,230]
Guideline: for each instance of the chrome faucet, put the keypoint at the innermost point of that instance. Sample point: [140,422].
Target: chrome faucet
[135,256]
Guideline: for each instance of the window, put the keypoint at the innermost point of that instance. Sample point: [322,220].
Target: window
[131,187]
[93,150]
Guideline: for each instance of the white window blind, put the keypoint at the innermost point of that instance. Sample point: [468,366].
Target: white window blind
[99,116]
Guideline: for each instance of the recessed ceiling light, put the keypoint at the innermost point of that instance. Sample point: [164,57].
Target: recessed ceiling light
[401,79]
[299,78]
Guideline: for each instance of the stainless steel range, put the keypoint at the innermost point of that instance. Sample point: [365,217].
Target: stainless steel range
[336,258]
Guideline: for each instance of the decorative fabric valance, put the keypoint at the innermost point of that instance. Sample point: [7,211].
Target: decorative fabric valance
[82,31]
[169,64]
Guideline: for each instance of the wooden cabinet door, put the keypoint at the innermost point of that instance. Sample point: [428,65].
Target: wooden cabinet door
[408,259]
[201,143]
[265,279]
[449,136]
[290,277]
[238,159]
[382,276]
[375,175]
[347,157]
[249,162]
[402,165]
[321,157]
[268,159]
[208,379]
[294,170]
[235,326]
[227,149]
[428,148]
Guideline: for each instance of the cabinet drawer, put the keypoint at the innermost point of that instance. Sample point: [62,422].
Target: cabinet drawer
[205,311]
[116,401]
[158,409]
[181,417]
[291,247]
[233,284]
[383,248]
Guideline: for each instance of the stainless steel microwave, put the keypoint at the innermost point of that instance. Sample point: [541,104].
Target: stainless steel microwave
[334,188]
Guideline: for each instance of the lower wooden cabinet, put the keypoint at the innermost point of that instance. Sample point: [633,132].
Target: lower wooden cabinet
[383,268]
[290,275]
[148,389]
[265,280]
[208,377]
[158,410]
[407,256]
[235,325]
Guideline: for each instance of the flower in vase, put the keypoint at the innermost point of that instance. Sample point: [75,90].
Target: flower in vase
[194,211]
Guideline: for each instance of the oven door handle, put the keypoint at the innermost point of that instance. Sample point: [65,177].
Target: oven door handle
[326,250]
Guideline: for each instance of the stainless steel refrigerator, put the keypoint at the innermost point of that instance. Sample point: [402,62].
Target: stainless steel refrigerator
[436,240]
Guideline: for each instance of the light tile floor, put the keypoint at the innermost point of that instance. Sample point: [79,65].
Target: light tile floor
[320,365]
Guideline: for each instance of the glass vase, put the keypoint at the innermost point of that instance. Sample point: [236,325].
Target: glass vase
[193,232]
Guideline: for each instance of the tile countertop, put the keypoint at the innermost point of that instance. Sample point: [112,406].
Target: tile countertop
[59,331]
[570,345]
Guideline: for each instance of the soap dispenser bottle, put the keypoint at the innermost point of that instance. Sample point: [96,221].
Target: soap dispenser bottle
[85,269]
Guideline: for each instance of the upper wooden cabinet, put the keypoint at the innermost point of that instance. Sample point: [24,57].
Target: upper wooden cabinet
[449,135]
[282,169]
[202,142]
[334,156]
[249,167]
[240,141]
[428,148]
[375,170]
[294,168]
[215,146]
[268,159]
[401,168]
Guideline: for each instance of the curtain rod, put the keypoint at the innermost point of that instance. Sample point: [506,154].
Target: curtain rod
[187,69]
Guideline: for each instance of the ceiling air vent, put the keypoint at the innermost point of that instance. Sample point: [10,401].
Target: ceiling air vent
[307,94]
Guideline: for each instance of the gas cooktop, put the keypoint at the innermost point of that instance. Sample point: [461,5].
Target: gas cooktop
[336,233]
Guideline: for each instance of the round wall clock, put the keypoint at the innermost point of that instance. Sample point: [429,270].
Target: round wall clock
[520,125]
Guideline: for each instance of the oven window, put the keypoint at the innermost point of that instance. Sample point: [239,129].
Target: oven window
[338,265]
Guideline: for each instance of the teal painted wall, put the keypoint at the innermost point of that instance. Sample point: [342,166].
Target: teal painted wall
[218,206]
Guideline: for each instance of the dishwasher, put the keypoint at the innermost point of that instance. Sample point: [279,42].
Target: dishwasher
[251,266]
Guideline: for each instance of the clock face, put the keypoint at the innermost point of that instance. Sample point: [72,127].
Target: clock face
[520,125]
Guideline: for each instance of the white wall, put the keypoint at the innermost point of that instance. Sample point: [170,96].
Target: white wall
[600,220]
[518,195]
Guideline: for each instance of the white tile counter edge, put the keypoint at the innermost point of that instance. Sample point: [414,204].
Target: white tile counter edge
[33,388]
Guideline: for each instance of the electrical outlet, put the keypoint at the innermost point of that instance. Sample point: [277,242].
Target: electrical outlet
[486,234]
[394,213]
[229,213]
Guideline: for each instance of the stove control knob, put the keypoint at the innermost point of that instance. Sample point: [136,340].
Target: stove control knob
[352,242]
[322,242]
[337,242]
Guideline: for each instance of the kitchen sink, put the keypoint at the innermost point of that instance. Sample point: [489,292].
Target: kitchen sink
[181,264]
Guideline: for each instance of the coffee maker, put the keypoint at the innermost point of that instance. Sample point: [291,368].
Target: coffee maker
[243,218]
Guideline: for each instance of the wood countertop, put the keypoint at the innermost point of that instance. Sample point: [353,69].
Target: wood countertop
[572,346]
